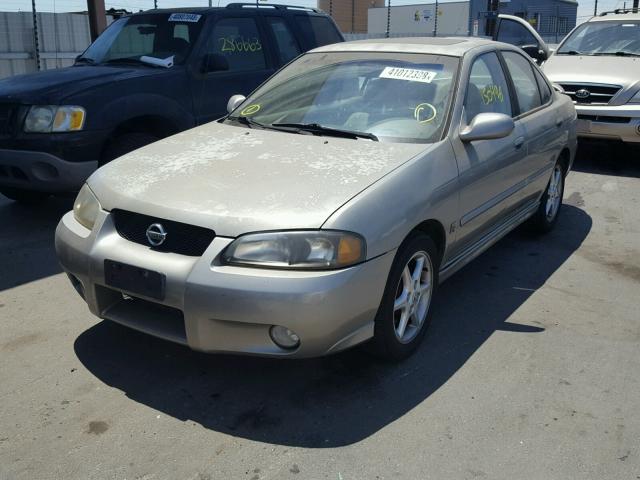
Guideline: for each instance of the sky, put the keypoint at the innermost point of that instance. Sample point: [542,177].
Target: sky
[585,8]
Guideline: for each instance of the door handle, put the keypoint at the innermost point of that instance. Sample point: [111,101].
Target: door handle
[518,142]
[559,122]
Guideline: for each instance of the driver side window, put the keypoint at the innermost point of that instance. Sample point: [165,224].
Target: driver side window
[487,91]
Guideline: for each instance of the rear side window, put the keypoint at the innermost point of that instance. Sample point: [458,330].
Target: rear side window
[545,91]
[321,30]
[238,40]
[288,47]
[524,81]
[487,91]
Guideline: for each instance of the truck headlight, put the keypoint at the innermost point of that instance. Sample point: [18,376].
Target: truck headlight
[301,250]
[86,207]
[53,118]
[635,98]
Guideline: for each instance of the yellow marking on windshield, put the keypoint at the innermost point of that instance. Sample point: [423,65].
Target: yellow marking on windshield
[250,110]
[419,111]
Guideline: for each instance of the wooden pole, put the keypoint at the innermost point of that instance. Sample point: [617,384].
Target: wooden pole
[97,17]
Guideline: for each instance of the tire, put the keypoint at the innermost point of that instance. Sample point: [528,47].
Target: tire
[25,197]
[126,143]
[390,341]
[548,212]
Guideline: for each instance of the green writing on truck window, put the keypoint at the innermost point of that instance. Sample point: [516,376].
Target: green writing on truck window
[239,44]
[491,94]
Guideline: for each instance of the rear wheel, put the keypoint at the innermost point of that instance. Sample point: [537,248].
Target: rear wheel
[26,197]
[126,143]
[547,215]
[405,312]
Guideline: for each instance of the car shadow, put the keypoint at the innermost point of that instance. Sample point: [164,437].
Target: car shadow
[608,158]
[27,250]
[342,399]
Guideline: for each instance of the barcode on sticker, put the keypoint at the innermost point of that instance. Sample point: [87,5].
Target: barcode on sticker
[184,17]
[410,74]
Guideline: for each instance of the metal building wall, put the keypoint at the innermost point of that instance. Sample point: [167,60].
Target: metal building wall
[453,19]
[62,36]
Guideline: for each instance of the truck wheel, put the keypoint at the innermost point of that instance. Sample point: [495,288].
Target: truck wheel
[25,197]
[405,311]
[126,143]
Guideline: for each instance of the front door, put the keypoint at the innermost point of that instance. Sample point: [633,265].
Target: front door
[486,167]
[239,41]
[516,31]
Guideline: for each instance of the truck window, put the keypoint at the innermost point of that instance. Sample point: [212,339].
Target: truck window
[320,30]
[288,47]
[239,41]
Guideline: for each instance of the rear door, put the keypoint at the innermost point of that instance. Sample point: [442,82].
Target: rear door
[242,41]
[516,31]
[542,125]
[286,45]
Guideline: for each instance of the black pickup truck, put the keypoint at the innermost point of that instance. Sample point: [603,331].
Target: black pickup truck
[148,76]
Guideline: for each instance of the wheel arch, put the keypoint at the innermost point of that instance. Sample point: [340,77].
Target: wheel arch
[565,160]
[435,230]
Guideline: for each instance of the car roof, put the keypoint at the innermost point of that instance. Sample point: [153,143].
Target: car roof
[452,46]
[615,16]
[235,7]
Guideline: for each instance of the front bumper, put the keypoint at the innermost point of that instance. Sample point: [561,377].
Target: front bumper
[620,123]
[218,308]
[42,171]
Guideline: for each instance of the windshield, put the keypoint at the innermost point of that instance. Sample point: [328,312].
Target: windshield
[603,38]
[156,35]
[386,96]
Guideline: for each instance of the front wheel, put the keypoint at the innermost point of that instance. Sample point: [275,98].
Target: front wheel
[547,214]
[405,311]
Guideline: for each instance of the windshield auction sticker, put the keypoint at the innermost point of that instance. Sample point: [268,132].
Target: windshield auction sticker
[410,74]
[184,17]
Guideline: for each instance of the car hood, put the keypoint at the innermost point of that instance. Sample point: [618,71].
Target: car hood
[51,86]
[237,180]
[623,71]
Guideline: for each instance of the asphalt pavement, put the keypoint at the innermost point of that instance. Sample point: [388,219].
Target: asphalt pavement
[529,371]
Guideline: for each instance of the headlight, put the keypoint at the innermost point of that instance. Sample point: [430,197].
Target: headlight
[86,207]
[557,87]
[303,250]
[635,98]
[52,118]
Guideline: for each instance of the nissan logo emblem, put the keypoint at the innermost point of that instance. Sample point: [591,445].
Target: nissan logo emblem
[583,93]
[156,234]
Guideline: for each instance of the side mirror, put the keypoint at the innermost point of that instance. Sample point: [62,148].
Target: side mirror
[212,62]
[488,126]
[536,52]
[234,102]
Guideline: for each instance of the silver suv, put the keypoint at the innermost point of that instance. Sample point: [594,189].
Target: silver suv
[598,66]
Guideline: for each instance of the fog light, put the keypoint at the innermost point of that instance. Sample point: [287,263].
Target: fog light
[283,337]
[638,129]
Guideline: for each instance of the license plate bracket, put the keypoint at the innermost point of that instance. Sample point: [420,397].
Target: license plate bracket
[134,280]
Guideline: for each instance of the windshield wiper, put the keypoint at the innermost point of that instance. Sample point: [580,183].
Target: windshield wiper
[570,52]
[316,128]
[619,53]
[128,60]
[251,123]
[88,60]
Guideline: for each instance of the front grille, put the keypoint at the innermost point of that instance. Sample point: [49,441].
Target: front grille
[604,118]
[7,111]
[598,93]
[181,238]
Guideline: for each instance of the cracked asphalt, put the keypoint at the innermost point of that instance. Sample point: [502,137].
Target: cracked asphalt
[530,370]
